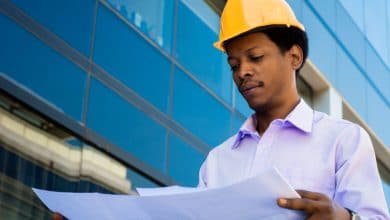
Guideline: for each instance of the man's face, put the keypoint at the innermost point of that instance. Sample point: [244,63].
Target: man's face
[264,76]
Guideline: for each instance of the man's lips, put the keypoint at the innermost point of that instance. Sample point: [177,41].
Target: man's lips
[248,87]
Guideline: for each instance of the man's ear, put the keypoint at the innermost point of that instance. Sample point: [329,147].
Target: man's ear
[296,55]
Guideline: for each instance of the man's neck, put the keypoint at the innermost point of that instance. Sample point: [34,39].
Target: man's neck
[264,118]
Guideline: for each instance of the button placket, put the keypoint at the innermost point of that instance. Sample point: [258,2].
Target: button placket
[262,159]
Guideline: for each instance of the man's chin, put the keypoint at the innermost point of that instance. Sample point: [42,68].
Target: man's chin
[258,106]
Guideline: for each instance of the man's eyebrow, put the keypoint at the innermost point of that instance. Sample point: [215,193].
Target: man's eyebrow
[254,47]
[247,50]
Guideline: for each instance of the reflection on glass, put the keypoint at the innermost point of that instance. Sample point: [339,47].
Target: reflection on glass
[137,180]
[197,30]
[354,36]
[378,115]
[36,152]
[378,71]
[376,20]
[204,13]
[322,45]
[195,109]
[129,59]
[153,17]
[127,127]
[71,20]
[8,104]
[351,82]
[355,9]
[184,162]
[30,62]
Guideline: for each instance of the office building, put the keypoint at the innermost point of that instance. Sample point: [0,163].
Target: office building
[109,95]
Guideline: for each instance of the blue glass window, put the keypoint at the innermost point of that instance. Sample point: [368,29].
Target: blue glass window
[237,123]
[378,72]
[356,9]
[353,38]
[198,111]
[28,205]
[386,189]
[125,126]
[351,83]
[83,186]
[28,61]
[40,178]
[184,162]
[378,115]
[197,30]
[326,9]
[3,154]
[11,165]
[61,184]
[27,170]
[153,17]
[50,178]
[322,45]
[137,180]
[296,7]
[377,21]
[71,20]
[129,58]
[241,104]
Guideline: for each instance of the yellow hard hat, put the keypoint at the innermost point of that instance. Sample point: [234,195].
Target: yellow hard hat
[241,16]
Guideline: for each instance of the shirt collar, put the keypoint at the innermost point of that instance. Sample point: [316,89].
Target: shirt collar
[247,129]
[300,117]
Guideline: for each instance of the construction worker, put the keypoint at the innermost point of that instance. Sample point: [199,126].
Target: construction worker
[330,162]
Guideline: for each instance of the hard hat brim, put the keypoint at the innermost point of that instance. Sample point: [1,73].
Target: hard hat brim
[221,43]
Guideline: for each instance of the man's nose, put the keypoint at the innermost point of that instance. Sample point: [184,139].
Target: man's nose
[245,70]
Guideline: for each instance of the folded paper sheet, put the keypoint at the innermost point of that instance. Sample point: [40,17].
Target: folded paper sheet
[252,199]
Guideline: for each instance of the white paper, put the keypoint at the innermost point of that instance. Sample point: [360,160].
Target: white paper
[168,190]
[251,199]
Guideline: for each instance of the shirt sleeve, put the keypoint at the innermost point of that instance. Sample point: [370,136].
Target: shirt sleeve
[202,176]
[358,185]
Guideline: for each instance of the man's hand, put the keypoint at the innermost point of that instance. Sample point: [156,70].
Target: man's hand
[316,205]
[57,216]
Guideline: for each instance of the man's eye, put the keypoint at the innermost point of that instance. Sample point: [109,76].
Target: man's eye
[256,58]
[234,68]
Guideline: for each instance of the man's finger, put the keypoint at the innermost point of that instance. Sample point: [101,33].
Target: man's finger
[310,195]
[57,216]
[306,205]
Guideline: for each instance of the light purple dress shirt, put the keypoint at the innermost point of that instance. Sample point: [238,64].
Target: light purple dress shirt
[313,151]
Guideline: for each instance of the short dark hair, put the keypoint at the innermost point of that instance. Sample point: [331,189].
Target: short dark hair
[284,37]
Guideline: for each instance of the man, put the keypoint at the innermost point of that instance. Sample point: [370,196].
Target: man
[331,162]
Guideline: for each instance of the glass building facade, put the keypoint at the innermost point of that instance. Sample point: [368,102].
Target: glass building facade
[138,85]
